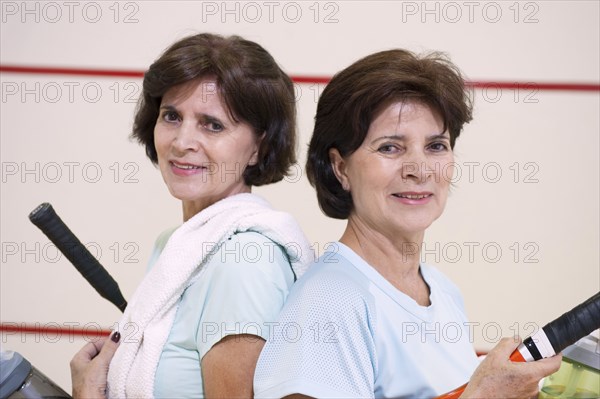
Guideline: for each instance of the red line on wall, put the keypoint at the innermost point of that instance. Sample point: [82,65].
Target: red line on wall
[71,71]
[54,329]
[546,86]
[535,85]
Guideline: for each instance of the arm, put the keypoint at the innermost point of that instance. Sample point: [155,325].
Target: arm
[499,377]
[89,367]
[228,368]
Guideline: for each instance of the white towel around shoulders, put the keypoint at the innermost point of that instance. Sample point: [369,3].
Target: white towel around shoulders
[149,316]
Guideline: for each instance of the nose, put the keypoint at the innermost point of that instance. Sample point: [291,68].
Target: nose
[186,139]
[415,166]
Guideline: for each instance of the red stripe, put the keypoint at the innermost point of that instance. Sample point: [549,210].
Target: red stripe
[71,71]
[558,86]
[310,79]
[54,329]
[536,85]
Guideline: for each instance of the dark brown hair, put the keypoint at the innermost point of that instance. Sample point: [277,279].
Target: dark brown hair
[252,86]
[355,96]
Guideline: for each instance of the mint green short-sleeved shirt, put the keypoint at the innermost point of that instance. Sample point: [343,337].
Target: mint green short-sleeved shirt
[241,291]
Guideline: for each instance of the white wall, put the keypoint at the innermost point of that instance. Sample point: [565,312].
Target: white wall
[58,132]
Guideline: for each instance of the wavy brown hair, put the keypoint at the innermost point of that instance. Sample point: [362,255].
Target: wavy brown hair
[250,83]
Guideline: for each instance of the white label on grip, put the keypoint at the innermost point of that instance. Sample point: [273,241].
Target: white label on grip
[543,344]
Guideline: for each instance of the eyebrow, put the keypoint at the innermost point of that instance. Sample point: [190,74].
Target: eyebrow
[401,137]
[439,136]
[203,116]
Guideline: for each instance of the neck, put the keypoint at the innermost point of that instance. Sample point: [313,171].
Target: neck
[395,256]
[191,208]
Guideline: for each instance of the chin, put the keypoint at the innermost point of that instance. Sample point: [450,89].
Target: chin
[184,195]
[414,226]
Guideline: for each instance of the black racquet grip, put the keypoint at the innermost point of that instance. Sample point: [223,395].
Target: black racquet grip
[54,228]
[574,324]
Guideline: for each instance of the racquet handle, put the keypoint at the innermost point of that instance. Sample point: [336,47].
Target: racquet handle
[46,219]
[553,337]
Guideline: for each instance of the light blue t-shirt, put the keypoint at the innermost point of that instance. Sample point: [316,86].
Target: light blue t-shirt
[346,332]
[241,291]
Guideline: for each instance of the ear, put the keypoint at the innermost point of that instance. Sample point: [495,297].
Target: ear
[254,158]
[338,164]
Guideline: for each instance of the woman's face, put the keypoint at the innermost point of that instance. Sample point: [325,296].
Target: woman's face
[400,175]
[202,152]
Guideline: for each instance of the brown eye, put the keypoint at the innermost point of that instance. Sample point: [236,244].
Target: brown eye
[438,146]
[388,149]
[170,116]
[214,127]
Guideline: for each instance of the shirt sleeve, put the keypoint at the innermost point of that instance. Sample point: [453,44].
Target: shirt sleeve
[249,282]
[323,346]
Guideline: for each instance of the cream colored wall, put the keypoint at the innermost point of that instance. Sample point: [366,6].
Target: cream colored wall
[64,140]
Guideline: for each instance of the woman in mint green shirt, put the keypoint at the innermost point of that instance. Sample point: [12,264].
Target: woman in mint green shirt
[217,115]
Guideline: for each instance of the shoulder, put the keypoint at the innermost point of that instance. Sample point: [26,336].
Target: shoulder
[330,287]
[336,269]
[252,238]
[250,248]
[250,255]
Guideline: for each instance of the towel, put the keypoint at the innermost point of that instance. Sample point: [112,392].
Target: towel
[149,316]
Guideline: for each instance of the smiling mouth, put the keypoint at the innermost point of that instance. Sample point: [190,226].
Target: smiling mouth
[186,166]
[412,196]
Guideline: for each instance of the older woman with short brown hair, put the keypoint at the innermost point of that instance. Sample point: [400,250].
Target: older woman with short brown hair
[373,320]
[217,116]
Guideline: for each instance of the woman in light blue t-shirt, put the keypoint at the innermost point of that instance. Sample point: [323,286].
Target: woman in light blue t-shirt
[217,115]
[377,322]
